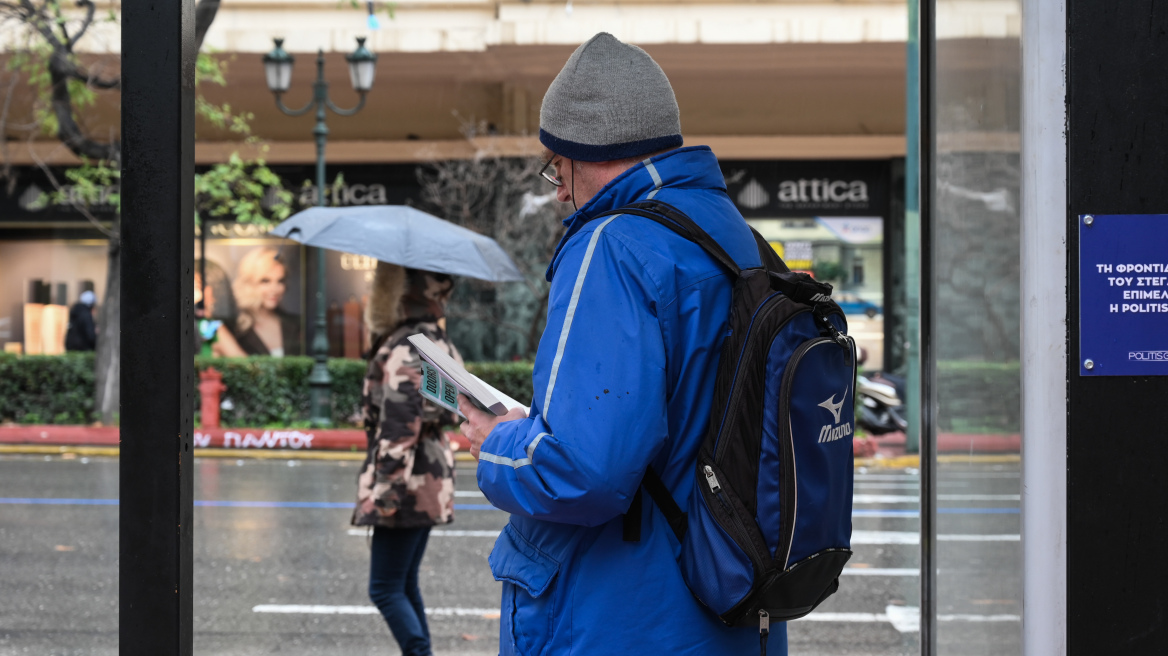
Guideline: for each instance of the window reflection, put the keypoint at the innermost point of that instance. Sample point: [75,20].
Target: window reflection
[976,283]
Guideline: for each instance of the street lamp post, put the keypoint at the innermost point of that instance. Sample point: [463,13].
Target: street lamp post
[278,72]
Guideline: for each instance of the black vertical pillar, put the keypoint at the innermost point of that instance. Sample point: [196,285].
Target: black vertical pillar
[927,37]
[155,579]
[1117,478]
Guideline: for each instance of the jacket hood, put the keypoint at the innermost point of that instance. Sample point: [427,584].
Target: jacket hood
[400,294]
[694,167]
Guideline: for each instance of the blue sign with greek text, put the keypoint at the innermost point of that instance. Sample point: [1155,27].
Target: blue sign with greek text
[1123,294]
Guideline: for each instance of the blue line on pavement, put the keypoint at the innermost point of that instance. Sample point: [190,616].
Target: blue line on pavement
[914,514]
[978,511]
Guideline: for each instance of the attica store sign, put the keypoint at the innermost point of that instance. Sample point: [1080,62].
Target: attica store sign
[807,189]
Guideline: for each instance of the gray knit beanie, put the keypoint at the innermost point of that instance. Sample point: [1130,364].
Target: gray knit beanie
[610,101]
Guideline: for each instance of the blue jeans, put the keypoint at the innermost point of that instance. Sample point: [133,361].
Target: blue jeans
[393,585]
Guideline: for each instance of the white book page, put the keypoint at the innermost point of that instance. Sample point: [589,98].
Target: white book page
[472,386]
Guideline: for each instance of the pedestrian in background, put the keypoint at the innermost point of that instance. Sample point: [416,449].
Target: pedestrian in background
[406,485]
[624,378]
[82,334]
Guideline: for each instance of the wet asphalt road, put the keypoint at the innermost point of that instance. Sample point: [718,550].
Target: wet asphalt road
[59,559]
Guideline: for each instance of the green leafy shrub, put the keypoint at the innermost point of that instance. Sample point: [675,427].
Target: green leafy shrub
[510,378]
[263,391]
[979,397]
[39,388]
[266,391]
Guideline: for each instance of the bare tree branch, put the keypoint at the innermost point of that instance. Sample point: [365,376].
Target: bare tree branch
[68,131]
[205,12]
[111,235]
[85,23]
[7,172]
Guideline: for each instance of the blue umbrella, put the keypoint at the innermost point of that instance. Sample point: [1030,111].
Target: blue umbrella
[402,235]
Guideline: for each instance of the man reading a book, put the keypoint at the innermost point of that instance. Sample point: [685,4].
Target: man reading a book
[623,378]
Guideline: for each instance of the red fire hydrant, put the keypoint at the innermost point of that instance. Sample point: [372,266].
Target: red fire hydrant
[210,387]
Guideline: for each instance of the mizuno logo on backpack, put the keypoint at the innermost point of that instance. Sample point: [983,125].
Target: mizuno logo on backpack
[768,527]
[831,433]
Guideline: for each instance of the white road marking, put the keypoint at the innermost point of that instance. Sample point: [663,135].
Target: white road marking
[977,537]
[877,571]
[469,493]
[438,532]
[314,609]
[465,534]
[905,619]
[858,537]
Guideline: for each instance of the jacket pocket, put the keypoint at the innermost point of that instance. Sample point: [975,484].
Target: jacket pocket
[527,575]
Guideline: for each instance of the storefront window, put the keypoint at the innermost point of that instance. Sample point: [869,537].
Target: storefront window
[826,219]
[976,282]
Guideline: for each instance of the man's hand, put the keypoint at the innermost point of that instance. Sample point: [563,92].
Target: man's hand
[479,424]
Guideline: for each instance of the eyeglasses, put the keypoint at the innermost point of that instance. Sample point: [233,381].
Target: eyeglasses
[550,177]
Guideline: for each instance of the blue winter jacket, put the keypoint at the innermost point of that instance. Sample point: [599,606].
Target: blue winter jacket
[623,379]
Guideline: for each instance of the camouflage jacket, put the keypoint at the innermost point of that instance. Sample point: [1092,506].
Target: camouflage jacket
[407,480]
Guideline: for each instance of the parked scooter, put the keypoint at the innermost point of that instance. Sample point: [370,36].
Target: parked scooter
[880,409]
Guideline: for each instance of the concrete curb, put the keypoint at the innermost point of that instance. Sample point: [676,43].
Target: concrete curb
[884,451]
[233,439]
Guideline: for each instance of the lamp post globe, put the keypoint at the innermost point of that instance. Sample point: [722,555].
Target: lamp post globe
[278,68]
[278,73]
[362,66]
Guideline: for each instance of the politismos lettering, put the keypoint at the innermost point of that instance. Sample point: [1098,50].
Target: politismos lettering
[823,191]
[1148,356]
[1139,308]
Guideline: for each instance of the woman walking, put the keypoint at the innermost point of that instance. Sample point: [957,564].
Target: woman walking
[406,485]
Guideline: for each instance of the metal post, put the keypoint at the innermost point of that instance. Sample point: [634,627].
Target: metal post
[912,230]
[157,316]
[925,364]
[1044,328]
[1116,460]
[320,381]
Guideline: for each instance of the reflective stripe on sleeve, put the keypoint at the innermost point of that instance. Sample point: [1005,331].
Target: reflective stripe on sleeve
[568,316]
[510,462]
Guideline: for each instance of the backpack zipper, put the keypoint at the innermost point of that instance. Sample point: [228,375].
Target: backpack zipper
[743,535]
[720,445]
[790,492]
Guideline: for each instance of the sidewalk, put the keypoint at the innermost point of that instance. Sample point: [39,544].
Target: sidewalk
[242,442]
[349,443]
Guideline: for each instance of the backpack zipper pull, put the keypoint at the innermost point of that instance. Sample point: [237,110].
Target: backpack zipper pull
[715,487]
[764,630]
[820,315]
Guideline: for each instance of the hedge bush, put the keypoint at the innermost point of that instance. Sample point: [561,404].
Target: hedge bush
[274,392]
[974,397]
[979,397]
[46,389]
[263,391]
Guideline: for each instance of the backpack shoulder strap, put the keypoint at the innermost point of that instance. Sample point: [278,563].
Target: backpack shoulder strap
[770,259]
[677,518]
[677,221]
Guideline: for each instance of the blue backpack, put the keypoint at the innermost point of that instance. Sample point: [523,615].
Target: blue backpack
[769,525]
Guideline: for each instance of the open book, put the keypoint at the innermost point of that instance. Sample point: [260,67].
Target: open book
[443,380]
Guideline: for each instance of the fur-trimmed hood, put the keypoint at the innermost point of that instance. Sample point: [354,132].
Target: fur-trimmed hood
[400,294]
